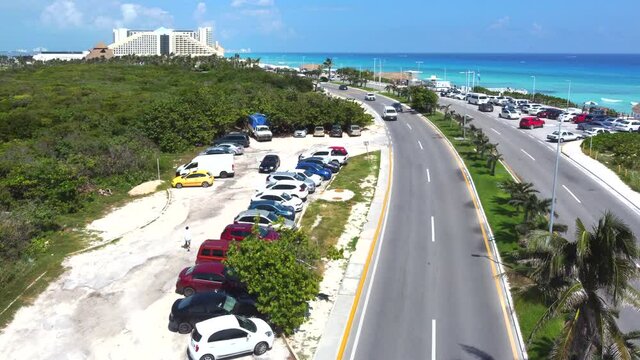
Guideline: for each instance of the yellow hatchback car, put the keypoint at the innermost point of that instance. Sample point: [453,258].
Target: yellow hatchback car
[197,178]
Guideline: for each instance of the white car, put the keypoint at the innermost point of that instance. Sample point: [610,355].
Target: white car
[370,97]
[300,132]
[612,122]
[237,150]
[229,335]
[279,196]
[532,108]
[596,131]
[509,114]
[567,116]
[294,188]
[327,153]
[627,126]
[565,136]
[290,175]
[317,179]
[460,96]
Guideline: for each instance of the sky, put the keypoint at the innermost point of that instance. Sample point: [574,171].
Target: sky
[419,26]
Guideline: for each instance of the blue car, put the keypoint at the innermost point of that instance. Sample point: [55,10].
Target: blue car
[315,169]
[287,212]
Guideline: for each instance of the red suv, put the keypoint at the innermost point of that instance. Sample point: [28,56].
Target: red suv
[531,122]
[206,276]
[238,232]
[580,118]
[212,251]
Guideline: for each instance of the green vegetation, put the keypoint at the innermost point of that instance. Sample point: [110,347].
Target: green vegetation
[70,130]
[356,77]
[619,152]
[325,220]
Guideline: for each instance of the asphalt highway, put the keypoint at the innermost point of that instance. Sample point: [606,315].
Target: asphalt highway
[431,293]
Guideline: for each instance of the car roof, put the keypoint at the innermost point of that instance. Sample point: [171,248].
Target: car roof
[209,267]
[216,324]
[286,181]
[214,242]
[206,297]
[199,172]
[265,202]
[253,212]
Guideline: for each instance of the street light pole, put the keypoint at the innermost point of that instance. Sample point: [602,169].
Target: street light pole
[418,62]
[533,98]
[555,180]
[569,95]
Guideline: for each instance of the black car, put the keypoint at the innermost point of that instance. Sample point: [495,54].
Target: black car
[343,87]
[237,138]
[269,163]
[486,107]
[397,106]
[552,114]
[186,312]
[332,166]
[336,131]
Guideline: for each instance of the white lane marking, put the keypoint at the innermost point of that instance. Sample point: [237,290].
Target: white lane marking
[526,153]
[496,131]
[433,230]
[433,339]
[409,126]
[371,282]
[572,194]
[419,143]
[428,176]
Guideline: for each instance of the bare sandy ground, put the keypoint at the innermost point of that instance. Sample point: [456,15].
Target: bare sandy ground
[114,302]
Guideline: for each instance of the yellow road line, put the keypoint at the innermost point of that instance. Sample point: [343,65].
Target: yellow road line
[494,272]
[365,270]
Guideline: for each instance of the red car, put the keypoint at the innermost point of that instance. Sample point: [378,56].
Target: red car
[339,149]
[212,251]
[202,277]
[530,122]
[580,118]
[238,232]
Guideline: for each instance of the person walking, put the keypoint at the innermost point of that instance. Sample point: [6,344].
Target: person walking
[187,239]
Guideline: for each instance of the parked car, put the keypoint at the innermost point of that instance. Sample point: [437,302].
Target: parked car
[269,163]
[201,178]
[318,131]
[370,97]
[628,126]
[562,137]
[567,116]
[287,212]
[354,130]
[591,124]
[264,218]
[460,96]
[294,188]
[315,169]
[335,155]
[238,138]
[552,114]
[340,150]
[235,148]
[187,312]
[229,336]
[531,109]
[485,107]
[596,131]
[509,114]
[293,176]
[336,131]
[530,122]
[331,166]
[343,87]
[203,277]
[282,197]
[612,122]
[397,106]
[300,132]
[215,150]
[238,232]
[308,175]
[212,250]
[580,118]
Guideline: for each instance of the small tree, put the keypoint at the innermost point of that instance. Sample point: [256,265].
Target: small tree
[328,63]
[423,100]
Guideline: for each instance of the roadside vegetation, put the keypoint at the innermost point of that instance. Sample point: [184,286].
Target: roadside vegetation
[557,281]
[75,137]
[620,152]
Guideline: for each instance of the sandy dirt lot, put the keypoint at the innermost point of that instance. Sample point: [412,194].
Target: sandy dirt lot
[114,302]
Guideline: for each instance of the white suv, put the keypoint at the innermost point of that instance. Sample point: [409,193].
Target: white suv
[229,335]
[294,188]
[370,97]
[326,153]
[389,113]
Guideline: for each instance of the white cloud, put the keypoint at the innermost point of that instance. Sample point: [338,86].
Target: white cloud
[501,23]
[239,3]
[134,15]
[62,14]
[199,15]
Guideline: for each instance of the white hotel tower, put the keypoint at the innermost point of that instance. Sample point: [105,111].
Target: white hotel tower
[165,42]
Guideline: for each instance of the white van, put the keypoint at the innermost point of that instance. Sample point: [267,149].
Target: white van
[477,98]
[220,165]
[389,113]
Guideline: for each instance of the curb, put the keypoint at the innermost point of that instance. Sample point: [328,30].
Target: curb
[291,352]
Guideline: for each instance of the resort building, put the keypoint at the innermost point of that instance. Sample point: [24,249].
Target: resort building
[164,41]
[60,55]
[100,51]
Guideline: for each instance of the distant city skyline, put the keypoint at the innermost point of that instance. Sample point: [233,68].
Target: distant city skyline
[334,26]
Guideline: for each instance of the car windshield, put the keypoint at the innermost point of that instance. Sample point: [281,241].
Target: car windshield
[189,270]
[355,127]
[246,324]
[271,216]
[285,196]
[308,173]
[229,303]
[184,303]
[318,128]
[299,177]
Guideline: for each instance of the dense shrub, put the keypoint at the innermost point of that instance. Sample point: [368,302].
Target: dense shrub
[625,148]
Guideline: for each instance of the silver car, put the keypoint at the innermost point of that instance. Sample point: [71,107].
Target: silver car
[300,132]
[237,150]
[354,130]
[264,218]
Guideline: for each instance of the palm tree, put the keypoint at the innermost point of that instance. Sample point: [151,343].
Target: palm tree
[576,274]
[518,192]
[328,63]
[492,161]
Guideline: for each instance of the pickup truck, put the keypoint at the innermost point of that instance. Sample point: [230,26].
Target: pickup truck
[259,127]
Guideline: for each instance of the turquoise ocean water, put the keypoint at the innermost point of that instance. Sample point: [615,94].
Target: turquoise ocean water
[611,80]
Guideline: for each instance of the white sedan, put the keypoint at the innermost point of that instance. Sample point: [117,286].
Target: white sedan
[567,117]
[237,150]
[317,179]
[627,126]
[294,188]
[283,198]
[565,136]
[460,96]
[370,97]
[509,114]
[596,131]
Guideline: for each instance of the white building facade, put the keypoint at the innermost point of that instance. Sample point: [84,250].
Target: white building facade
[165,42]
[62,55]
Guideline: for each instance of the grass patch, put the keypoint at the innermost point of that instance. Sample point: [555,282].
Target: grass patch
[503,218]
[630,175]
[325,221]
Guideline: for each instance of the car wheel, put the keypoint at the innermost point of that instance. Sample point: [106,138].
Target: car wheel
[561,140]
[207,357]
[205,184]
[224,174]
[188,291]
[184,328]
[260,348]
[531,127]
[178,186]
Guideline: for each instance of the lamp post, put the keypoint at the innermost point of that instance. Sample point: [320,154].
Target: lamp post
[418,62]
[533,97]
[569,95]
[555,173]
[302,65]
